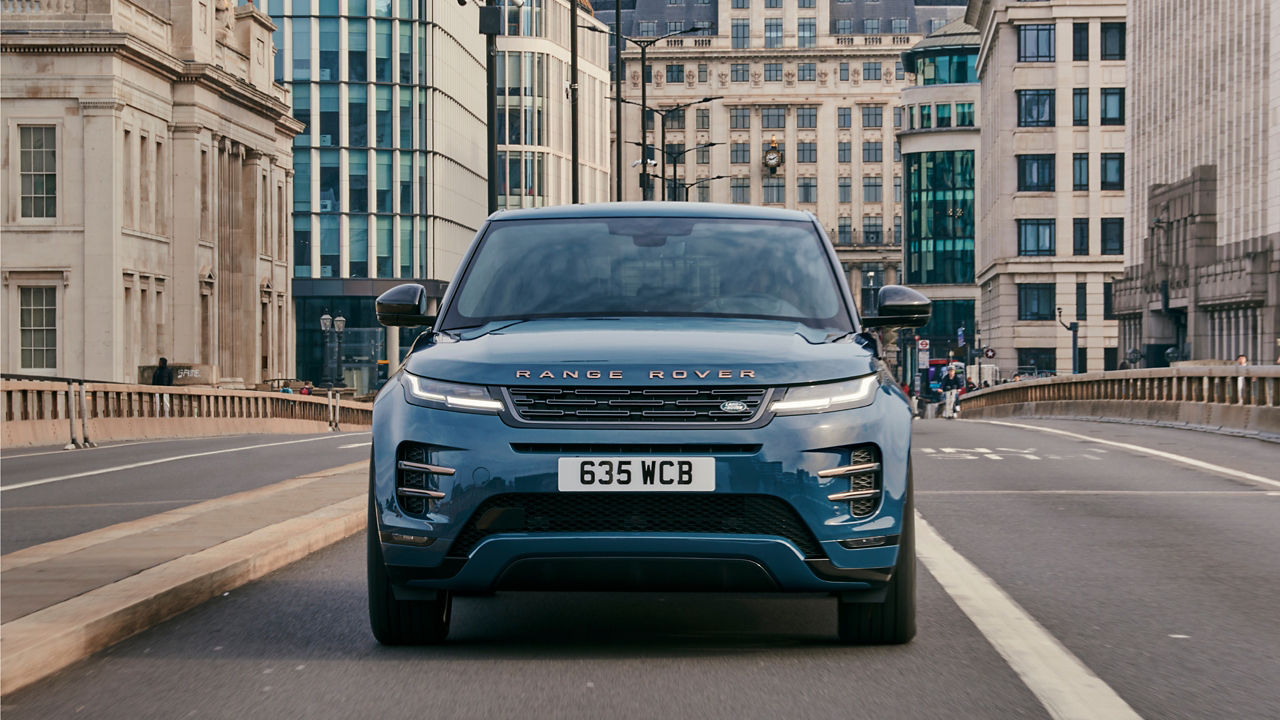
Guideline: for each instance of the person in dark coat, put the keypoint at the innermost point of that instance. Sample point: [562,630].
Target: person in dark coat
[163,374]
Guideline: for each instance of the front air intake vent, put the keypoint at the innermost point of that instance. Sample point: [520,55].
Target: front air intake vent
[864,477]
[417,480]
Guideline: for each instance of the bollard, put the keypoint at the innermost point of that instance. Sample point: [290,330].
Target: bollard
[71,418]
[84,421]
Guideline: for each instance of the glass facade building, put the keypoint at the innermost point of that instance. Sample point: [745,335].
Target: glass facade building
[362,205]
[939,211]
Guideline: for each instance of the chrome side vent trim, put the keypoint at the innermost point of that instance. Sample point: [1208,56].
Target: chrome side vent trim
[417,479]
[863,471]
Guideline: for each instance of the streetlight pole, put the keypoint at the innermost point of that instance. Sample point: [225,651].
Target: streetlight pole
[491,27]
[1074,327]
[573,97]
[644,87]
[644,144]
[617,107]
[339,325]
[326,327]
[686,185]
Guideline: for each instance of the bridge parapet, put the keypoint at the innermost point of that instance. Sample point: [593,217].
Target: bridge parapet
[1228,397]
[71,413]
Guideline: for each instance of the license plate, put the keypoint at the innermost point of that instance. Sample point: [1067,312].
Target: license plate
[637,474]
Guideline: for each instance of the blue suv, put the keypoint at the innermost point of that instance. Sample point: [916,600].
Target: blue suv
[643,397]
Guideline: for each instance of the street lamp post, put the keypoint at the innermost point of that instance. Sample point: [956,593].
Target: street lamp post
[644,144]
[339,325]
[1074,327]
[573,99]
[644,86]
[326,327]
[675,167]
[684,186]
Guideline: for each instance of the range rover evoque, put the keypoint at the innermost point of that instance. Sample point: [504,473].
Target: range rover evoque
[652,397]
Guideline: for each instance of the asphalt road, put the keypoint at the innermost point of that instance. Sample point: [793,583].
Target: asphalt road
[1158,577]
[131,488]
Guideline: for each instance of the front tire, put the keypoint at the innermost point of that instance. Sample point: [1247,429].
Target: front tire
[893,621]
[401,622]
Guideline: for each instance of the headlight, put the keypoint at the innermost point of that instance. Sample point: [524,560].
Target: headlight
[828,397]
[450,396]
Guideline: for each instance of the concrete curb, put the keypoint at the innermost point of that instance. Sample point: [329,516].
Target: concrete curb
[44,642]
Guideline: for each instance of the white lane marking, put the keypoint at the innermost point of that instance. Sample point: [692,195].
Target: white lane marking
[928,451]
[1091,492]
[6,456]
[993,457]
[1180,637]
[117,468]
[1200,464]
[1063,684]
[355,445]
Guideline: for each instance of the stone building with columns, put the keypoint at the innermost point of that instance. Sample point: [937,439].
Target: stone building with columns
[1202,267]
[148,178]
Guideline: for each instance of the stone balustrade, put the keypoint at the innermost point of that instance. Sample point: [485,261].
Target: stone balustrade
[1244,399]
[41,412]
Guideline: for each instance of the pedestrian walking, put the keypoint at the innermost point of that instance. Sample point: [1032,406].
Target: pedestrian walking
[306,389]
[950,389]
[163,375]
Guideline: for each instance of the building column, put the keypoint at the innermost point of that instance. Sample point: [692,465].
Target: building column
[101,287]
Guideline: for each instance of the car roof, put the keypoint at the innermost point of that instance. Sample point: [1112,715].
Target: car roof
[652,209]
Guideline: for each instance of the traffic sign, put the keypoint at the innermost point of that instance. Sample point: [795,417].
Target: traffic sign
[989,353]
[922,344]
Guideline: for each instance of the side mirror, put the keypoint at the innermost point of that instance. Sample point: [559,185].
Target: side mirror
[404,306]
[900,307]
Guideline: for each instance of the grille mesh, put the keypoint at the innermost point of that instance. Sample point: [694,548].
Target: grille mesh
[634,405]
[413,505]
[868,480]
[635,512]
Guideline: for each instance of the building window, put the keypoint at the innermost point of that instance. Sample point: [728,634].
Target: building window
[897,115]
[773,32]
[775,189]
[674,119]
[807,189]
[872,230]
[773,118]
[773,72]
[1082,301]
[740,190]
[844,230]
[1112,106]
[844,152]
[899,71]
[1112,236]
[1034,360]
[926,117]
[704,156]
[675,73]
[846,190]
[1035,302]
[740,72]
[897,229]
[807,72]
[871,26]
[809,4]
[1108,310]
[1080,236]
[807,117]
[844,26]
[1035,237]
[38,171]
[944,116]
[871,71]
[807,152]
[964,114]
[897,151]
[741,4]
[1080,107]
[897,189]
[740,29]
[872,189]
[1113,41]
[773,4]
[872,116]
[648,28]
[899,26]
[844,72]
[739,153]
[1035,173]
[1035,43]
[1080,171]
[1035,108]
[739,118]
[675,26]
[1112,171]
[844,117]
[704,193]
[704,119]
[807,32]
[38,326]
[702,72]
[1080,41]
[872,152]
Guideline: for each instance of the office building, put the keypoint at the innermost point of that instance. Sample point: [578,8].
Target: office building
[1202,276]
[807,103]
[1051,191]
[148,177]
[939,154]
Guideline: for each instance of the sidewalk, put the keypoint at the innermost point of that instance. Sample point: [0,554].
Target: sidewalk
[65,600]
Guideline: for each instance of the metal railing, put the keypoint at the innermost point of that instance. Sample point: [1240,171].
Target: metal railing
[78,403]
[1222,385]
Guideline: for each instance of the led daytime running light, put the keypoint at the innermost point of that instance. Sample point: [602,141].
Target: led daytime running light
[865,386]
[451,400]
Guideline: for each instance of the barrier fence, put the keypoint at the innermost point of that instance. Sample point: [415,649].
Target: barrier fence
[1242,398]
[75,414]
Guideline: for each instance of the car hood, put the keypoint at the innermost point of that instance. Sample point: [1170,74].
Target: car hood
[641,351]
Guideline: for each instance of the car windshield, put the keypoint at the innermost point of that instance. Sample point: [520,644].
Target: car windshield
[689,267]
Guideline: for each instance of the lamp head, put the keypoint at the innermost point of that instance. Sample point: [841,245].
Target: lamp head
[326,322]
[339,323]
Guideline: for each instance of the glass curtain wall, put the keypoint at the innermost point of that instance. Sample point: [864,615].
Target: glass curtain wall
[522,130]
[357,82]
[939,217]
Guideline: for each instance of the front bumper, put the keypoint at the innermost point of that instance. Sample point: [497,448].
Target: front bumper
[781,459]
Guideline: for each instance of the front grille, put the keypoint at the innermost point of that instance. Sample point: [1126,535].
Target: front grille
[638,448]
[635,404]
[635,512]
